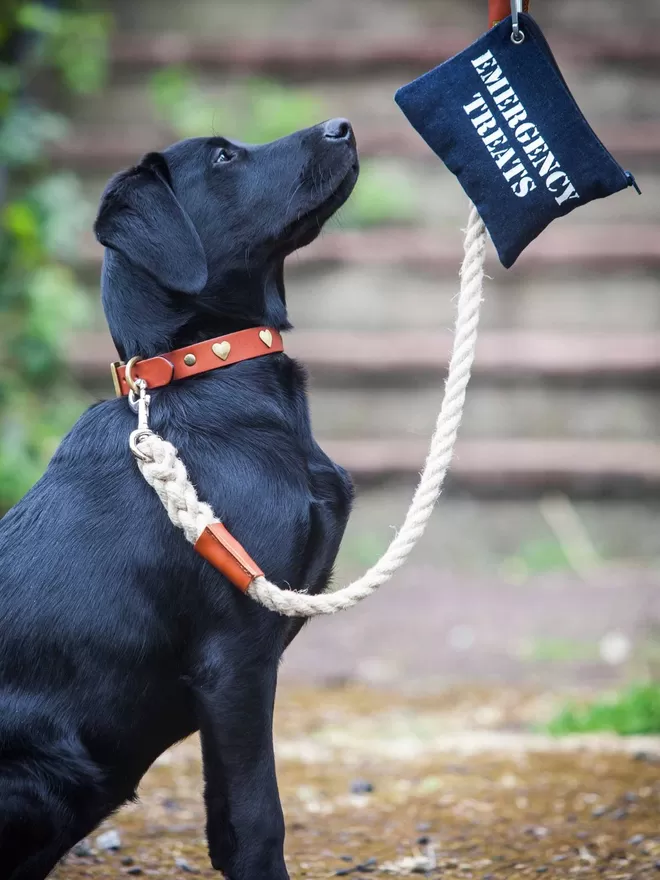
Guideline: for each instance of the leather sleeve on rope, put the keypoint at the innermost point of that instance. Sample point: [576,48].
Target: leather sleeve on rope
[225,553]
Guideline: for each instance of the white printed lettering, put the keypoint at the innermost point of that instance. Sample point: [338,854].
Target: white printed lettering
[484,123]
[515,115]
[478,104]
[524,187]
[526,133]
[569,193]
[484,61]
[522,132]
[495,138]
[516,169]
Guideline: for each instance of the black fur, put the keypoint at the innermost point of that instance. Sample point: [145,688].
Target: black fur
[116,638]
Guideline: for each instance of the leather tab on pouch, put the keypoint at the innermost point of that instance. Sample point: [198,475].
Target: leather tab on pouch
[498,10]
[225,553]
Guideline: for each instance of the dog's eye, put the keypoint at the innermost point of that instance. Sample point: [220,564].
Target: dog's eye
[222,155]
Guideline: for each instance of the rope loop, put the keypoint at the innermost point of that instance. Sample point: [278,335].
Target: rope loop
[166,473]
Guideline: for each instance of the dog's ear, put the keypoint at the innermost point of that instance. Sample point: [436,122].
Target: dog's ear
[141,218]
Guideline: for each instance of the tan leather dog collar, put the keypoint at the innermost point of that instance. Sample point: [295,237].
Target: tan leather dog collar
[195,359]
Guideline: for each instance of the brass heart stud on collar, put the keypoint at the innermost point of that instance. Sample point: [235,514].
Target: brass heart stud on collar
[221,350]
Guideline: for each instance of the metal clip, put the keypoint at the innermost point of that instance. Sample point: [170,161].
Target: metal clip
[140,405]
[517,35]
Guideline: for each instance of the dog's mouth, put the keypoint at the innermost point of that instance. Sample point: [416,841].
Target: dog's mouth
[305,228]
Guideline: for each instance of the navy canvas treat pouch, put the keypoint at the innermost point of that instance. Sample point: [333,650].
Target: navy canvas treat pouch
[503,120]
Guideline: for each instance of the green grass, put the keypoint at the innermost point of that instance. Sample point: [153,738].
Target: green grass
[557,650]
[633,711]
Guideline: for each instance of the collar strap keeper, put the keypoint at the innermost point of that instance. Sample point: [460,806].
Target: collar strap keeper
[223,351]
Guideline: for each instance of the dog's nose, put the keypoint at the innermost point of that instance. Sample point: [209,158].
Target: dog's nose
[338,130]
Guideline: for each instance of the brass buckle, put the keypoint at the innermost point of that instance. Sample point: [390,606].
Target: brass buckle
[128,375]
[115,376]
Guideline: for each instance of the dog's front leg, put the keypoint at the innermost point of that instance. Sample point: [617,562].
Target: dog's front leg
[245,825]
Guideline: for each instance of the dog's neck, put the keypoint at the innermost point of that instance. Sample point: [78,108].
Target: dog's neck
[145,319]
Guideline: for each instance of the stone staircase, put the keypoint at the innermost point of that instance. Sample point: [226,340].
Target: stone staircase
[565,392]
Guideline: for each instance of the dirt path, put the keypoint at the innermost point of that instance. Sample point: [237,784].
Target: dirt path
[459,790]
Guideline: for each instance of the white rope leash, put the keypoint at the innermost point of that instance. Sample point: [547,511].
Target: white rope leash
[166,473]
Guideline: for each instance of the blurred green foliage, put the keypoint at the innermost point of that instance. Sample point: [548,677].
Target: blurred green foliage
[42,214]
[383,196]
[634,711]
[258,111]
[561,650]
[362,549]
[534,557]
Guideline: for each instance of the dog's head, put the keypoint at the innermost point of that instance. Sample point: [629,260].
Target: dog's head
[213,219]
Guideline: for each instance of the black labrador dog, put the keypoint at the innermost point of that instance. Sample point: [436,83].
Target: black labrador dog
[116,638]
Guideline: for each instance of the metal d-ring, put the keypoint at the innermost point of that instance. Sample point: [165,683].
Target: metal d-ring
[128,374]
[517,35]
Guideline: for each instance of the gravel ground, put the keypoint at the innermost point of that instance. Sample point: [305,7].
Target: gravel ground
[452,786]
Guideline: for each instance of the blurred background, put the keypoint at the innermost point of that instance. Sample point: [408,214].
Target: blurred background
[541,563]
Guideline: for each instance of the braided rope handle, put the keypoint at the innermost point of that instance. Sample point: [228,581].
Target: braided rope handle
[166,473]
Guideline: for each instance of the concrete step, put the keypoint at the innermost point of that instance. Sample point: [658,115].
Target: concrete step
[427,195]
[375,19]
[279,19]
[526,386]
[502,538]
[406,358]
[369,298]
[310,54]
[102,148]
[589,404]
[378,424]
[558,299]
[496,464]
[601,248]
[514,467]
[606,96]
[492,412]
